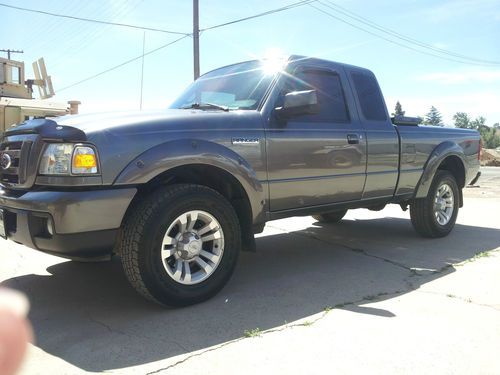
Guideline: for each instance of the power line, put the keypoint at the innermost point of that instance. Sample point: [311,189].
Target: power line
[81,38]
[123,63]
[339,9]
[9,51]
[92,20]
[287,7]
[393,41]
[290,6]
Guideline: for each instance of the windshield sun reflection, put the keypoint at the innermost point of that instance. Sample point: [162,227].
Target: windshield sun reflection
[235,87]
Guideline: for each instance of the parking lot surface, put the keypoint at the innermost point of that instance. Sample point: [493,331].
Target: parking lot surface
[364,295]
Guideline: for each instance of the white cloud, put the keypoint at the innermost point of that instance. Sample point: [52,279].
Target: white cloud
[461,77]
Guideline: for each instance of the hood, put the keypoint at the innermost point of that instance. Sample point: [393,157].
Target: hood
[93,122]
[122,136]
[89,126]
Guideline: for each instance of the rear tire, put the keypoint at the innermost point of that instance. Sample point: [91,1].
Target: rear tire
[330,217]
[180,244]
[435,215]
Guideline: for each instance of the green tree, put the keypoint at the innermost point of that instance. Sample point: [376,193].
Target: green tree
[489,136]
[398,110]
[433,117]
[462,120]
[496,125]
[479,123]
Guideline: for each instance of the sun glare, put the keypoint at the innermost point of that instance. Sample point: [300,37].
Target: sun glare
[273,61]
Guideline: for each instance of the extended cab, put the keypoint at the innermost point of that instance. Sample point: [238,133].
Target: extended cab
[178,193]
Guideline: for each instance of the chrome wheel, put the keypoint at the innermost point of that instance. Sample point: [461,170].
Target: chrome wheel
[192,247]
[443,204]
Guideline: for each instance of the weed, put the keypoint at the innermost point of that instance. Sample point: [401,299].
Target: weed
[253,332]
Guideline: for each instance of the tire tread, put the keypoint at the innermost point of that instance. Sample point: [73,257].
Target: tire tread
[134,228]
[421,213]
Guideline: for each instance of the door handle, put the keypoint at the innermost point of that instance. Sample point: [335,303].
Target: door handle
[352,139]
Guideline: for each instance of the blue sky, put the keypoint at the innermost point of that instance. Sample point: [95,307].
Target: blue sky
[74,50]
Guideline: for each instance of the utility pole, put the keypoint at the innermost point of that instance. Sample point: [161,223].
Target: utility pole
[9,51]
[196,39]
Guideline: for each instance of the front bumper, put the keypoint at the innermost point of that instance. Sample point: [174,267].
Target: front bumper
[74,224]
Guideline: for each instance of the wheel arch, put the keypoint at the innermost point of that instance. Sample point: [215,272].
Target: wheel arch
[446,156]
[203,163]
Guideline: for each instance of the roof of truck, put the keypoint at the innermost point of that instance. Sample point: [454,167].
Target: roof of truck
[297,58]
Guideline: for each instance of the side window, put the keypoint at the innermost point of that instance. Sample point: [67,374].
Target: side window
[369,96]
[328,88]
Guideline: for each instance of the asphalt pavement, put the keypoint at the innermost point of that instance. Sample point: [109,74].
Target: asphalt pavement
[366,295]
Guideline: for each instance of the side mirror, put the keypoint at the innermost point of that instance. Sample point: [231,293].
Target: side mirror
[298,103]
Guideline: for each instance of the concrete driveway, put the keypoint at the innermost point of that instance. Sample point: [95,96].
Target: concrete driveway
[365,295]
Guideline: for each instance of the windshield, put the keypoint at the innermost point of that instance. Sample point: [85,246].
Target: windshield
[240,86]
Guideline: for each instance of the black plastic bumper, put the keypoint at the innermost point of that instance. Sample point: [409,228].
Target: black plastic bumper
[77,225]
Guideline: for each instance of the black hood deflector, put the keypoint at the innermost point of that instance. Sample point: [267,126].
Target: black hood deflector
[48,129]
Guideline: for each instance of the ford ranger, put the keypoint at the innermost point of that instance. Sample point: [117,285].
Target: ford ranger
[178,193]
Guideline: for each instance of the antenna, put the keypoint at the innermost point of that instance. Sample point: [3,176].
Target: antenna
[42,79]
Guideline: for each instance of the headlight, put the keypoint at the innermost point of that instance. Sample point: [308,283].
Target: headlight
[67,158]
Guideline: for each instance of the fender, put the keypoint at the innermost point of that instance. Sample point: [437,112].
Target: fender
[171,154]
[440,153]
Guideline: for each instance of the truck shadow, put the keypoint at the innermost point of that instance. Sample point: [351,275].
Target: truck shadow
[88,315]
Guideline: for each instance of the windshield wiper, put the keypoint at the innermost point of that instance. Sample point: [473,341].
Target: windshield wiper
[206,106]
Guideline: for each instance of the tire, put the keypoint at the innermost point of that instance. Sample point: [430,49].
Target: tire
[330,217]
[427,215]
[151,249]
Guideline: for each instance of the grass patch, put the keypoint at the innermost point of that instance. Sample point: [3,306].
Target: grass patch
[256,332]
[482,254]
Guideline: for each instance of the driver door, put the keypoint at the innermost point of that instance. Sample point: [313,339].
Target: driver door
[316,159]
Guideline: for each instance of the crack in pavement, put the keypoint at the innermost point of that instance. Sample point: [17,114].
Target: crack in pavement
[366,299]
[195,355]
[305,323]
[413,271]
[110,329]
[307,234]
[459,298]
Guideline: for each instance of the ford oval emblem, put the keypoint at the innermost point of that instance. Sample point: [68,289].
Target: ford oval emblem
[5,161]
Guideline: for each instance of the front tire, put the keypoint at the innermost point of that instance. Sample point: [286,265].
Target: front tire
[435,215]
[180,244]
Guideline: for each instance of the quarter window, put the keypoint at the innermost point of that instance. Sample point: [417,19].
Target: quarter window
[369,96]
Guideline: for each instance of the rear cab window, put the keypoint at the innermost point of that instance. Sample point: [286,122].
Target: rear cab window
[369,96]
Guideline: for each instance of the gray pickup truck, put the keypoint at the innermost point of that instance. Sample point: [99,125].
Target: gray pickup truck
[178,193]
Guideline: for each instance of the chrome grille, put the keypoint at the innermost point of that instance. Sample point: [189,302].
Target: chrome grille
[10,175]
[17,167]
